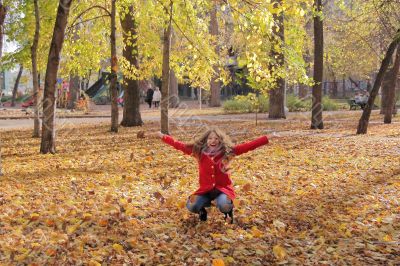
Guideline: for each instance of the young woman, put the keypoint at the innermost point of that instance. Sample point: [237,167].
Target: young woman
[213,151]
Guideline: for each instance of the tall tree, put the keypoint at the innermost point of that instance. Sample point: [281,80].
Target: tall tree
[74,90]
[3,12]
[277,94]
[114,69]
[35,74]
[316,112]
[131,113]
[390,86]
[74,79]
[49,102]
[15,89]
[364,120]
[215,85]
[166,73]
[173,89]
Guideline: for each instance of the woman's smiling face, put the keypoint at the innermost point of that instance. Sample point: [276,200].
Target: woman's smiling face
[213,140]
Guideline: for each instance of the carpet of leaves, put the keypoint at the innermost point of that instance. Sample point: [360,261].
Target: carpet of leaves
[309,198]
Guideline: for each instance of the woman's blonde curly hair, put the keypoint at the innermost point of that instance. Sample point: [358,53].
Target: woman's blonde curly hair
[200,144]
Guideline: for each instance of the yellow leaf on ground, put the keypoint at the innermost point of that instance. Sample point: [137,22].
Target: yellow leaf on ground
[118,248]
[256,232]
[94,263]
[387,238]
[279,252]
[181,204]
[34,216]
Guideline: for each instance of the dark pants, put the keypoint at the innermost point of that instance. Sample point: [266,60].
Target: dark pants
[149,103]
[196,202]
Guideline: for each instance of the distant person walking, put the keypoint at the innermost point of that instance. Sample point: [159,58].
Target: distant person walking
[149,96]
[156,97]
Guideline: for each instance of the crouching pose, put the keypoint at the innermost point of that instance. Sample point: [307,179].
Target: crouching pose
[213,151]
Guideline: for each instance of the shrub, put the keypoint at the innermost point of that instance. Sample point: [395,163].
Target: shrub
[246,104]
[329,104]
[5,99]
[295,104]
[236,106]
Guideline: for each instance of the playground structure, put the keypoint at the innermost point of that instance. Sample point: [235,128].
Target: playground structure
[99,92]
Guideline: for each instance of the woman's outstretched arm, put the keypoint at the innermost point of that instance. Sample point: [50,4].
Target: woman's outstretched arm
[186,149]
[251,145]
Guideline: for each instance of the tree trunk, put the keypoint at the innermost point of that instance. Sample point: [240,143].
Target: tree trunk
[384,92]
[114,69]
[15,90]
[391,86]
[173,90]
[364,120]
[387,85]
[74,89]
[316,112]
[74,79]
[397,96]
[165,75]
[277,94]
[49,103]
[3,12]
[333,92]
[215,86]
[88,80]
[305,89]
[131,115]
[35,74]
[173,81]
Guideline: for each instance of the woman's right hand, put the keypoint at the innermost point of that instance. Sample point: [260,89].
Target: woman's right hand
[160,135]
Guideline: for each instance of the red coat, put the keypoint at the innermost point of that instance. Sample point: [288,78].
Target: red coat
[211,173]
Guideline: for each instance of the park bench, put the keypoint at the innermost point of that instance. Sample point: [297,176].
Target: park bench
[354,105]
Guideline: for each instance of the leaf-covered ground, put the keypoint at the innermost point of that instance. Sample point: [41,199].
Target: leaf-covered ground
[309,198]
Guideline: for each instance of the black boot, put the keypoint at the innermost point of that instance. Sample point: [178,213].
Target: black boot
[203,214]
[230,215]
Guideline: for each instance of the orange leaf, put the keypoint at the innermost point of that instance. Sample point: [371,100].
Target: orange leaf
[51,252]
[246,187]
[218,262]
[103,222]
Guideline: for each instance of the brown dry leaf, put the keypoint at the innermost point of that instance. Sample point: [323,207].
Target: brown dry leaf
[140,135]
[159,196]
